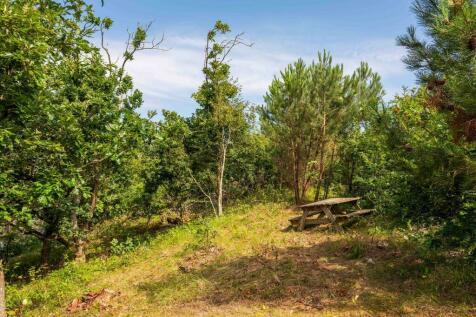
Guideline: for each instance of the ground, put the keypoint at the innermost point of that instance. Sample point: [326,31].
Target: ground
[245,263]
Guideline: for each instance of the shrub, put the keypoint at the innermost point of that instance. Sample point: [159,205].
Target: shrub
[119,248]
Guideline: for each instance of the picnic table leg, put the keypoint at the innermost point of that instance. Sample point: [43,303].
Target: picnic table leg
[329,214]
[302,223]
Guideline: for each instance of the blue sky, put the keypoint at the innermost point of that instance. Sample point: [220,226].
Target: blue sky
[281,30]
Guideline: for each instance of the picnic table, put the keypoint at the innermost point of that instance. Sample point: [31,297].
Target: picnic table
[327,211]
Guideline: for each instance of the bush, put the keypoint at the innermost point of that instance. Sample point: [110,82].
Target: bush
[119,248]
[460,232]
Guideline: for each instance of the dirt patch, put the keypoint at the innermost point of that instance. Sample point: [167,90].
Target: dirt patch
[101,299]
[320,277]
[199,258]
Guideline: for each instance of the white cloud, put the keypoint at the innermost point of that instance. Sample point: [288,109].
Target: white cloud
[168,78]
[382,55]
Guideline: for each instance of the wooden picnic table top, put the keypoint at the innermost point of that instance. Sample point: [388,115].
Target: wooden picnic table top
[330,202]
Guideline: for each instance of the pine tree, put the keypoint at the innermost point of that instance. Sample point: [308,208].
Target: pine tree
[446,62]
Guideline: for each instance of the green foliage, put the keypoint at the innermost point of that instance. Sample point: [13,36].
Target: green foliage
[459,231]
[251,170]
[68,123]
[409,145]
[307,108]
[408,166]
[445,61]
[220,122]
[163,169]
[204,235]
[356,251]
[74,151]
[126,246]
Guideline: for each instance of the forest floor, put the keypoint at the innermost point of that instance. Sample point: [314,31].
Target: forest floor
[245,264]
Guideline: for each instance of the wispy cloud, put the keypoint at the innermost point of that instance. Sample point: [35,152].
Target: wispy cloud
[168,78]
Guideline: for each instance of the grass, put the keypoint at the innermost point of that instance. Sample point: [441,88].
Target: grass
[245,264]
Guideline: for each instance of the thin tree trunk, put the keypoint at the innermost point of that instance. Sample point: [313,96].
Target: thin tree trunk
[319,181]
[94,198]
[296,158]
[220,189]
[149,218]
[79,255]
[45,251]
[351,175]
[306,159]
[221,173]
[331,172]
[3,306]
[321,160]
[8,230]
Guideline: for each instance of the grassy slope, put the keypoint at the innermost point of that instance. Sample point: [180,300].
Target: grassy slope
[254,268]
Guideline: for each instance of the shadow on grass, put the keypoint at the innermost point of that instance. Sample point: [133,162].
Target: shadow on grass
[138,229]
[380,278]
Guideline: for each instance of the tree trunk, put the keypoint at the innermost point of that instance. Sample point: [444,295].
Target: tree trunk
[45,252]
[351,176]
[221,172]
[296,158]
[321,160]
[8,230]
[321,175]
[307,178]
[79,255]
[3,306]
[331,172]
[149,218]
[94,197]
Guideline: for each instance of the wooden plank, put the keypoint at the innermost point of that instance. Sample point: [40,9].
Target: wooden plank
[297,220]
[310,221]
[356,213]
[294,219]
[309,214]
[330,202]
[317,221]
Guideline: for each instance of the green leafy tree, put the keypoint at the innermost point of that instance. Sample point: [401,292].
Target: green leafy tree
[70,136]
[165,167]
[30,178]
[220,120]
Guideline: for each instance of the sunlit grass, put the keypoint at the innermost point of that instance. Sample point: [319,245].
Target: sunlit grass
[244,264]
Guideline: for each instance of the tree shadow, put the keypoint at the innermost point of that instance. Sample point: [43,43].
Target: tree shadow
[138,229]
[380,279]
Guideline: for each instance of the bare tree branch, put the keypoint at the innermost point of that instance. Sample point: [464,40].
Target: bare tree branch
[103,46]
[203,192]
[152,45]
[230,44]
